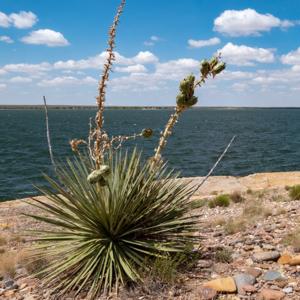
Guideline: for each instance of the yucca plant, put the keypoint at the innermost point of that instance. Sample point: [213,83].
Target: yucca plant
[102,233]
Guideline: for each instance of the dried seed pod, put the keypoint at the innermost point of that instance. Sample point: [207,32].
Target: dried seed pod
[99,174]
[213,62]
[147,132]
[192,101]
[183,101]
[218,68]
[186,86]
[205,68]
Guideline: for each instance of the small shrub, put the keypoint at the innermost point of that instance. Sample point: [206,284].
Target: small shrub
[8,264]
[224,255]
[294,192]
[253,209]
[292,239]
[236,197]
[219,221]
[221,200]
[261,194]
[278,198]
[287,187]
[165,270]
[235,225]
[280,211]
[3,240]
[198,203]
[32,263]
[249,191]
[168,269]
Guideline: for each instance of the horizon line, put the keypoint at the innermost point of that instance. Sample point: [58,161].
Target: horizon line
[94,106]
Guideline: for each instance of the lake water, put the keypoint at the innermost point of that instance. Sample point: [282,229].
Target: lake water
[267,140]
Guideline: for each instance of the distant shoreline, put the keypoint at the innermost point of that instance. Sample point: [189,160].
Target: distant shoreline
[94,107]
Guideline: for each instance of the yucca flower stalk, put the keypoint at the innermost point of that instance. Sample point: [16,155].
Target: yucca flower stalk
[186,98]
[101,237]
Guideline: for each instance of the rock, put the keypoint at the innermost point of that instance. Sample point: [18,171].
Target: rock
[249,288]
[243,279]
[207,293]
[272,275]
[268,294]
[281,283]
[225,284]
[203,263]
[254,272]
[288,290]
[285,259]
[295,261]
[266,256]
[9,294]
[268,247]
[8,283]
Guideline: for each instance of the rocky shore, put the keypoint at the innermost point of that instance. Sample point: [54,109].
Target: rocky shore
[249,250]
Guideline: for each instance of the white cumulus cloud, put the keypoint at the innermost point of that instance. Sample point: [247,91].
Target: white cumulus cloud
[4,20]
[145,57]
[46,37]
[203,43]
[23,19]
[20,79]
[242,55]
[67,80]
[247,22]
[152,41]
[96,62]
[26,68]
[20,20]
[6,39]
[292,58]
[2,86]
[132,69]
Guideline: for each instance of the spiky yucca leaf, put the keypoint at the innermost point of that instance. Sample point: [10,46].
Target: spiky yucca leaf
[100,235]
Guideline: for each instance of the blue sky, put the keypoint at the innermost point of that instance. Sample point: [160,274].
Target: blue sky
[57,48]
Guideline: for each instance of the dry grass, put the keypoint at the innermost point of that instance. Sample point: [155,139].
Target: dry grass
[3,240]
[292,239]
[249,191]
[31,263]
[236,197]
[235,225]
[8,261]
[221,200]
[17,238]
[224,255]
[219,221]
[255,210]
[294,192]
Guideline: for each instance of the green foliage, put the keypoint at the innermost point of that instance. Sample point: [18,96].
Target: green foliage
[101,235]
[294,192]
[221,200]
[224,255]
[186,96]
[168,270]
[198,203]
